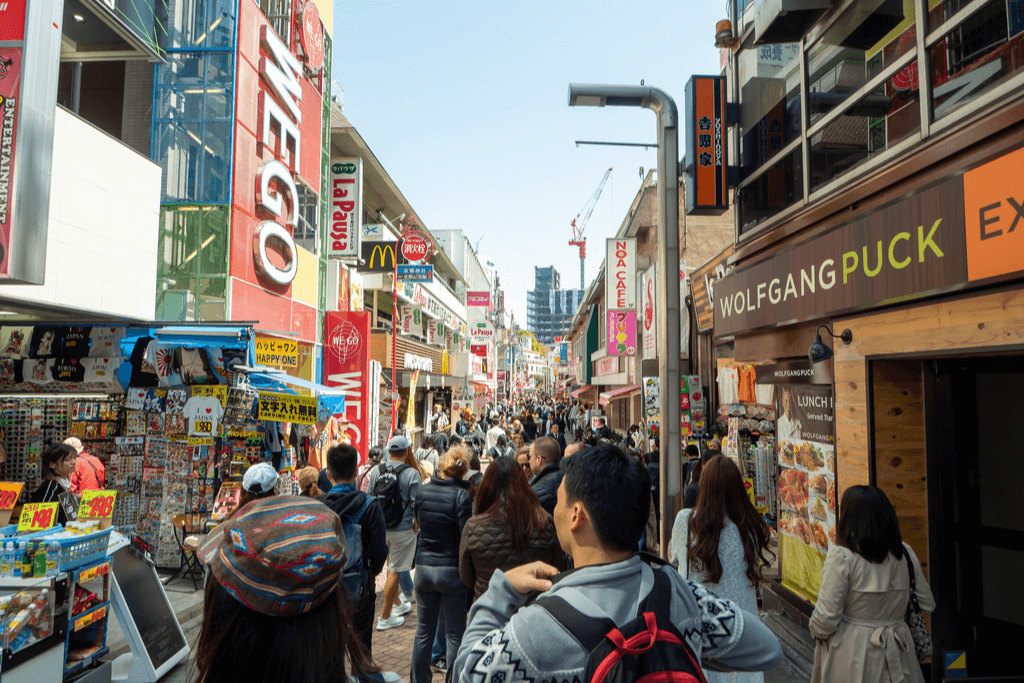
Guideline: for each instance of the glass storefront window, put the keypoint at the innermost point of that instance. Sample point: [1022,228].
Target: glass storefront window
[976,56]
[208,24]
[872,125]
[192,263]
[769,102]
[779,187]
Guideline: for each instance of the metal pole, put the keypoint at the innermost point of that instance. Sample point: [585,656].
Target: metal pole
[668,272]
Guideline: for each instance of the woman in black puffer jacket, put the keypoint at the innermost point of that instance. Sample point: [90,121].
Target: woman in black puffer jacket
[442,509]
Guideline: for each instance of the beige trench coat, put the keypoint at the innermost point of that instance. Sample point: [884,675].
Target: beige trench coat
[859,616]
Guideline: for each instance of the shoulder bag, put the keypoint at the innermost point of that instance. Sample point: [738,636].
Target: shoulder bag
[914,618]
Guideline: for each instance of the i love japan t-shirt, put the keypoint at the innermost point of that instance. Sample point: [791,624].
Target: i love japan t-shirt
[203,414]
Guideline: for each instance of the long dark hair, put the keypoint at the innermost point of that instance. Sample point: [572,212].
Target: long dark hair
[238,644]
[868,524]
[505,494]
[722,495]
[698,466]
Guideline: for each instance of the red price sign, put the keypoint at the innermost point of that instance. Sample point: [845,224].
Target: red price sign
[97,504]
[9,493]
[37,516]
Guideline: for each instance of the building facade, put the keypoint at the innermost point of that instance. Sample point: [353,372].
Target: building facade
[549,308]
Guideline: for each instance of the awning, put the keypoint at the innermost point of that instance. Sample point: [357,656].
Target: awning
[582,389]
[608,396]
[274,380]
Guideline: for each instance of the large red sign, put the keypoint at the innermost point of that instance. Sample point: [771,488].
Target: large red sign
[312,36]
[10,86]
[347,366]
[415,247]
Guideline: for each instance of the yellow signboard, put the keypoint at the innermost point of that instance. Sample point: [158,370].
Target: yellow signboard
[217,391]
[288,408]
[97,504]
[37,517]
[278,353]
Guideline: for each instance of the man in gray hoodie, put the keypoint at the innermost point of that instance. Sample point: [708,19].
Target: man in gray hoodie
[602,509]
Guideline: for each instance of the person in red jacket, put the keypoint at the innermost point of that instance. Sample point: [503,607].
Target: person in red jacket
[89,471]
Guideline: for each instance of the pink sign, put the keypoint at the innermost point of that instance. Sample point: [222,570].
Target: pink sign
[10,85]
[609,365]
[478,298]
[621,333]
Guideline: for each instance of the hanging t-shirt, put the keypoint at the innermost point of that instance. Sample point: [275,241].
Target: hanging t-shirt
[100,370]
[203,414]
[15,341]
[68,370]
[105,342]
[143,372]
[765,394]
[747,382]
[47,341]
[194,366]
[76,342]
[134,398]
[161,357]
[728,386]
[38,371]
[10,371]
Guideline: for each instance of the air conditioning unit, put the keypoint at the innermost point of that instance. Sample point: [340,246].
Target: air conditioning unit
[179,305]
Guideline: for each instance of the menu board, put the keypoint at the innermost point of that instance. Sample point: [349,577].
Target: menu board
[807,483]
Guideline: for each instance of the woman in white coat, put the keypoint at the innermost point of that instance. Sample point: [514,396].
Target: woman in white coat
[865,588]
[723,544]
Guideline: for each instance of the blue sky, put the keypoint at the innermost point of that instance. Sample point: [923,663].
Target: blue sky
[466,106]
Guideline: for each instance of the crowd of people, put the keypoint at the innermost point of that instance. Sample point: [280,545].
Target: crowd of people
[292,579]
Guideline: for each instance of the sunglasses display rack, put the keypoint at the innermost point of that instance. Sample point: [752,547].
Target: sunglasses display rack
[29,425]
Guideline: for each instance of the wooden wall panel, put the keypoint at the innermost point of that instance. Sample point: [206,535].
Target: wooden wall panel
[984,323]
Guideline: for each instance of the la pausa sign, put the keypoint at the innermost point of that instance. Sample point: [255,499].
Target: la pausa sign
[905,250]
[276,192]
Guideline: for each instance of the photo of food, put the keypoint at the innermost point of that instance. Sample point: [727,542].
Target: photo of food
[793,489]
[787,452]
[830,461]
[831,495]
[821,536]
[810,457]
[818,510]
[819,484]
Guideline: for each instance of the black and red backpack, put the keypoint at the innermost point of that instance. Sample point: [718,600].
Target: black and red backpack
[646,649]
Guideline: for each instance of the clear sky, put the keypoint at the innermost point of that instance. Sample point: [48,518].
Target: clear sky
[466,106]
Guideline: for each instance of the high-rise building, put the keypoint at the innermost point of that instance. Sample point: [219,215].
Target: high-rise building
[549,308]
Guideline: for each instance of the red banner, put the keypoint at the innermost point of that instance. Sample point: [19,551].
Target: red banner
[10,94]
[347,366]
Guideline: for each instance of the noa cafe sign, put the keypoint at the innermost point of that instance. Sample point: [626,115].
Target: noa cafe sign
[481,330]
[620,274]
[276,193]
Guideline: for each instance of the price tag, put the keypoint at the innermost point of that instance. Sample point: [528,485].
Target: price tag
[97,504]
[95,572]
[89,618]
[37,517]
[200,441]
[9,492]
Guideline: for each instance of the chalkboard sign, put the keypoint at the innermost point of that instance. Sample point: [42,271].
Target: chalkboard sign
[146,617]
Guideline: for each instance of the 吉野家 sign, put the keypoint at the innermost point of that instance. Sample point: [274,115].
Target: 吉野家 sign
[346,209]
[620,274]
[621,333]
[478,298]
[278,353]
[288,408]
[706,173]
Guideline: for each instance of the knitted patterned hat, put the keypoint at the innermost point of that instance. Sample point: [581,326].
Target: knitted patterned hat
[279,556]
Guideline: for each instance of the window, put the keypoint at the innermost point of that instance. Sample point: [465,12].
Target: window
[308,229]
[278,13]
[200,24]
[779,187]
[192,263]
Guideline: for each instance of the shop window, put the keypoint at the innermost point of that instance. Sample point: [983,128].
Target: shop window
[278,13]
[192,125]
[875,123]
[978,55]
[769,102]
[201,24]
[778,188]
[192,263]
[307,231]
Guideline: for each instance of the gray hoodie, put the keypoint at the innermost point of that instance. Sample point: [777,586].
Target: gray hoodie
[506,643]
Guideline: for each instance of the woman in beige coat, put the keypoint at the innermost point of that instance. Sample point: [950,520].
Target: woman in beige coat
[865,588]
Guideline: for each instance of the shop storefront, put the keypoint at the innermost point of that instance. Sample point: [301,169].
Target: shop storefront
[926,279]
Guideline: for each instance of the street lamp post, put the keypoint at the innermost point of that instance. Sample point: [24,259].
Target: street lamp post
[662,104]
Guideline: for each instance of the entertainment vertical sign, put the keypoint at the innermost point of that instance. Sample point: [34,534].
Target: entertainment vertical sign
[346,366]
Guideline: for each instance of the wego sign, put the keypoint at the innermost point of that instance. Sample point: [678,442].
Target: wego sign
[279,79]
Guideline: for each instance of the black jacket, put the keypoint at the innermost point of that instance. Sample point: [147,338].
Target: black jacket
[604,433]
[545,485]
[442,508]
[561,441]
[346,501]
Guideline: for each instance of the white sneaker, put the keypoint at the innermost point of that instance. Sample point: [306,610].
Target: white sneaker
[406,598]
[394,622]
[401,609]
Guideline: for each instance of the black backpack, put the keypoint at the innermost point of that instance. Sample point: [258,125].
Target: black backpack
[387,490]
[646,649]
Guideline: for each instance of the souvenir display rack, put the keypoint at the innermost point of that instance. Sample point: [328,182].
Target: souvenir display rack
[96,423]
[29,424]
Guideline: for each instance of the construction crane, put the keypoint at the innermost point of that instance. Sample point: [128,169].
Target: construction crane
[578,240]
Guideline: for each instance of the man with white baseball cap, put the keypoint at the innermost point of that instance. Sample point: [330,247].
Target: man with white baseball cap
[260,479]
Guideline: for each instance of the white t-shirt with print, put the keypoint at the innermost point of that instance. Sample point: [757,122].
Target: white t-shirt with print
[203,409]
[728,386]
[105,342]
[100,370]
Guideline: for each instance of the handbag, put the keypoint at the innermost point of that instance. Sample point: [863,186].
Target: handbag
[914,618]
